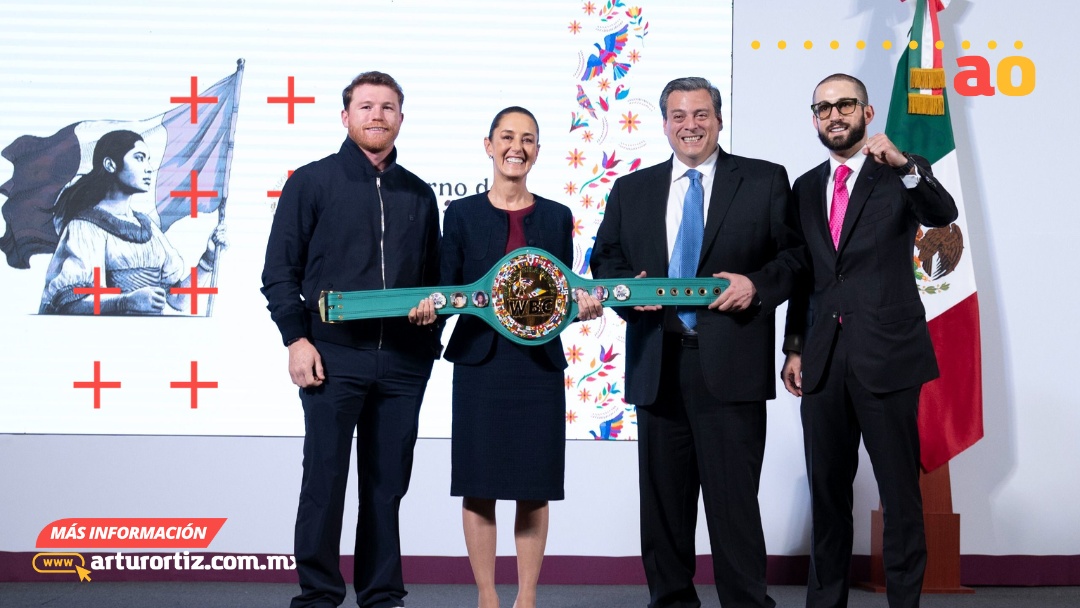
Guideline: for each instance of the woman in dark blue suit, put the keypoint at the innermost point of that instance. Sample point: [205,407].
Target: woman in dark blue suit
[509,404]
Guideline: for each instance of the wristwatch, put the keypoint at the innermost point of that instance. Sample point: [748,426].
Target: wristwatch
[906,167]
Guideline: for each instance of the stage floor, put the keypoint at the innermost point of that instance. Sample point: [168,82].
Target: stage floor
[263,595]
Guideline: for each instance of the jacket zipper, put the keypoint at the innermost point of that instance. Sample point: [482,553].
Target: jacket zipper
[382,246]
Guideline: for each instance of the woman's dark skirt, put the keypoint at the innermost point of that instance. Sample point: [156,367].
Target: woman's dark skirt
[509,426]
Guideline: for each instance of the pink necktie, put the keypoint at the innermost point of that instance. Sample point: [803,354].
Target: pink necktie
[839,203]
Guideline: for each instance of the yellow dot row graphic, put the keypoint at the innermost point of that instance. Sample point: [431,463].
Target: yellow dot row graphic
[887,44]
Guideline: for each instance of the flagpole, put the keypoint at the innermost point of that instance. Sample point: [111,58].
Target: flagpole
[225,189]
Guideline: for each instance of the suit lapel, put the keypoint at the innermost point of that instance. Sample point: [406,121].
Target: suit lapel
[726,182]
[816,212]
[864,184]
[655,197]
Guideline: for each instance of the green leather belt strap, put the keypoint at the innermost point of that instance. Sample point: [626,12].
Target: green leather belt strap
[527,296]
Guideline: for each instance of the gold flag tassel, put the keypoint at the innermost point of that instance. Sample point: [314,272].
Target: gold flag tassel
[933,105]
[927,78]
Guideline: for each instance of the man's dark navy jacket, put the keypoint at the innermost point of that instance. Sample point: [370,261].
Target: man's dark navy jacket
[343,225]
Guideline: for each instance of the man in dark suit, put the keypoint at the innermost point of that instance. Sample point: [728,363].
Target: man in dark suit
[700,377]
[857,346]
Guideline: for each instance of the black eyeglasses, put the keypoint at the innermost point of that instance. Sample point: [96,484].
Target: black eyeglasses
[845,106]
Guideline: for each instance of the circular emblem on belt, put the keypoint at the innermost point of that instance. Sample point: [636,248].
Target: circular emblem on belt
[530,296]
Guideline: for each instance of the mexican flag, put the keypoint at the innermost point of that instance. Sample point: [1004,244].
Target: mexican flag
[950,408]
[193,147]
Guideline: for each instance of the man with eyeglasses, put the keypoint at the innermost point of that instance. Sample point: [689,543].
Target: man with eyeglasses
[857,345]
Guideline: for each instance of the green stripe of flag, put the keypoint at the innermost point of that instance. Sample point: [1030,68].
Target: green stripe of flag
[928,136]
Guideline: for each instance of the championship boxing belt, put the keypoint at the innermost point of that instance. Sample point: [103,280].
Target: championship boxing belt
[527,296]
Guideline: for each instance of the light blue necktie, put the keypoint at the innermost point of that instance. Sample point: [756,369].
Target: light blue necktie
[684,257]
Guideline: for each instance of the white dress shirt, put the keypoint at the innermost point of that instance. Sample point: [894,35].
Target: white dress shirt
[680,183]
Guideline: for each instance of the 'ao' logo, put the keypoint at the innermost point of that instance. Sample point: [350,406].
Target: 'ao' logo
[1015,76]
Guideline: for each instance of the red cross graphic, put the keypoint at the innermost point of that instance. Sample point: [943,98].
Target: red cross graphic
[194,100]
[194,193]
[98,289]
[97,385]
[194,290]
[277,193]
[291,99]
[194,385]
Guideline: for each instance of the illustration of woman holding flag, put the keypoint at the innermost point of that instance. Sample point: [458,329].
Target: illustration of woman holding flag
[105,242]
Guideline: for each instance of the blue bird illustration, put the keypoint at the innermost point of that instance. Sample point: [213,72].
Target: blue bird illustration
[606,55]
[610,429]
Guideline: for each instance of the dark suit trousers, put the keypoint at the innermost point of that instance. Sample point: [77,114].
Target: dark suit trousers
[688,440]
[833,419]
[377,394]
